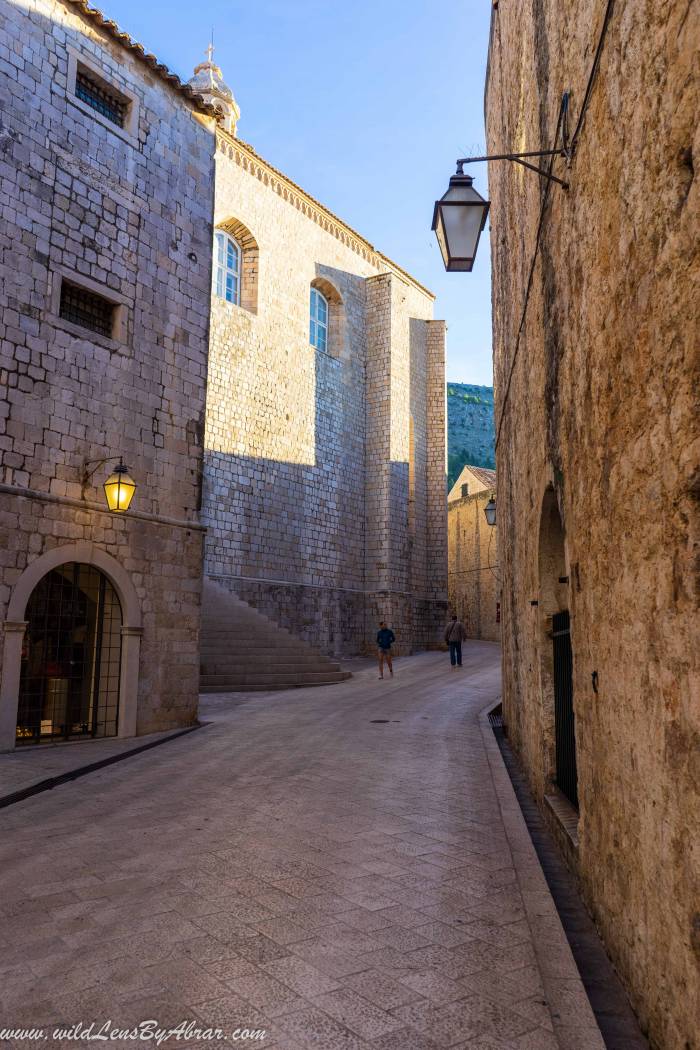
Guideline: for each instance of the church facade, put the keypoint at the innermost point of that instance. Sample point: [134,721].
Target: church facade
[324,472]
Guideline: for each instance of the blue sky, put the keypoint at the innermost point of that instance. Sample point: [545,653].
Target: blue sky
[365,105]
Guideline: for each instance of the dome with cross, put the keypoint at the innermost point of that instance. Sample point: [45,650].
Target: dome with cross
[208,82]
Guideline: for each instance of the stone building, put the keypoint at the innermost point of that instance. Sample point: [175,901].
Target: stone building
[596,309]
[325,430]
[472,480]
[324,492]
[473,575]
[106,189]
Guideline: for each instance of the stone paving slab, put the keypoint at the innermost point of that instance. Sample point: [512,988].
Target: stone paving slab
[28,767]
[302,868]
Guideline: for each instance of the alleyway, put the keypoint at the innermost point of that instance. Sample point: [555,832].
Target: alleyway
[334,865]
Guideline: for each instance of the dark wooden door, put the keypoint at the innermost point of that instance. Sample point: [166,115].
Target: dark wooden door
[564,723]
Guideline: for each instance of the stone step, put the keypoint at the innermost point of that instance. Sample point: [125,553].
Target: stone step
[243,650]
[247,689]
[251,664]
[224,683]
[267,639]
[249,635]
[237,623]
[272,656]
[232,647]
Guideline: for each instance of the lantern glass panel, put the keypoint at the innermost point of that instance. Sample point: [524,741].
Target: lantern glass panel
[119,490]
[459,218]
[462,229]
[441,239]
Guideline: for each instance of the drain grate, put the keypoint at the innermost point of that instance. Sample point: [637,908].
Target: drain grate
[495,717]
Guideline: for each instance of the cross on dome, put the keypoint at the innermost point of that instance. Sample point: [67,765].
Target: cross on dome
[208,82]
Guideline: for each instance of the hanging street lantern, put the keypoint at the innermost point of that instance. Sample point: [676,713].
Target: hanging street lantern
[460,215]
[119,489]
[458,219]
[490,511]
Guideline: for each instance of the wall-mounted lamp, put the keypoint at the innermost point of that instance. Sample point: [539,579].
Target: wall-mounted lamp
[119,487]
[460,214]
[458,219]
[490,511]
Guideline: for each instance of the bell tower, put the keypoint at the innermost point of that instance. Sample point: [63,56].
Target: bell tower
[208,82]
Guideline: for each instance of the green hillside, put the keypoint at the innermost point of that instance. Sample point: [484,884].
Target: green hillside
[470,428]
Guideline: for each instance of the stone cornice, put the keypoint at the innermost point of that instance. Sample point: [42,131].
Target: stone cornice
[245,156]
[80,504]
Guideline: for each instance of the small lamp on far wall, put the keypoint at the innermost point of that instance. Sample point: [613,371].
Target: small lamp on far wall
[490,511]
[119,489]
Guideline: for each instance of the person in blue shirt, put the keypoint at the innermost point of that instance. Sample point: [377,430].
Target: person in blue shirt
[385,640]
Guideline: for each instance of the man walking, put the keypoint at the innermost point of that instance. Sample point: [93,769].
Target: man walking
[454,636]
[385,640]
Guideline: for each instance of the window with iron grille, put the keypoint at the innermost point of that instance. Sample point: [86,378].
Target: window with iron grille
[100,97]
[87,309]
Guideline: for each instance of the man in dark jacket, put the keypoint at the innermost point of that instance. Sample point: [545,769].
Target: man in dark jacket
[385,640]
[454,636]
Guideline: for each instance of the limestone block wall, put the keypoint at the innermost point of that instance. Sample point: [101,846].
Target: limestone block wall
[434,607]
[474,592]
[128,212]
[600,432]
[307,453]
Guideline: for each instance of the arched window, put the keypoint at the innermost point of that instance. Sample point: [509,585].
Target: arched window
[318,325]
[227,267]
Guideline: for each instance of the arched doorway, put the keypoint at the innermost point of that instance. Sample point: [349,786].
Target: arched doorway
[14,628]
[556,658]
[71,657]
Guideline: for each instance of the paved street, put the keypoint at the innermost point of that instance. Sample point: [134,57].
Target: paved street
[342,867]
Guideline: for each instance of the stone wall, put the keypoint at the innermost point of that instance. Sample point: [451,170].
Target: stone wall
[127,213]
[474,592]
[308,454]
[598,459]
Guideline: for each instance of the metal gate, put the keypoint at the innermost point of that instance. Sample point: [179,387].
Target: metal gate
[69,683]
[564,728]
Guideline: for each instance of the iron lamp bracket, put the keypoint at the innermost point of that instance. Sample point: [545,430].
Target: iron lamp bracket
[518,158]
[86,473]
[566,150]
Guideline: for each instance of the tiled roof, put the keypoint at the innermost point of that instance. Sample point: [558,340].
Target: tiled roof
[484,474]
[113,30]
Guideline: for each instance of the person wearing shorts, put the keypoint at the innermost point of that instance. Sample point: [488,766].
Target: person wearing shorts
[385,640]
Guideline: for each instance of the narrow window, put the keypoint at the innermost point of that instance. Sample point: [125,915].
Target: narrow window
[227,268]
[100,96]
[318,331]
[87,309]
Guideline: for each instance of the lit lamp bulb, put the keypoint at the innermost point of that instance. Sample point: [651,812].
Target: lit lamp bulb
[119,489]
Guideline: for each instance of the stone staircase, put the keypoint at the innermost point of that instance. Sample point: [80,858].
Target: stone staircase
[241,650]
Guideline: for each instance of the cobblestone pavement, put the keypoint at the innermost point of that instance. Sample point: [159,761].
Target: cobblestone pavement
[27,768]
[344,867]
